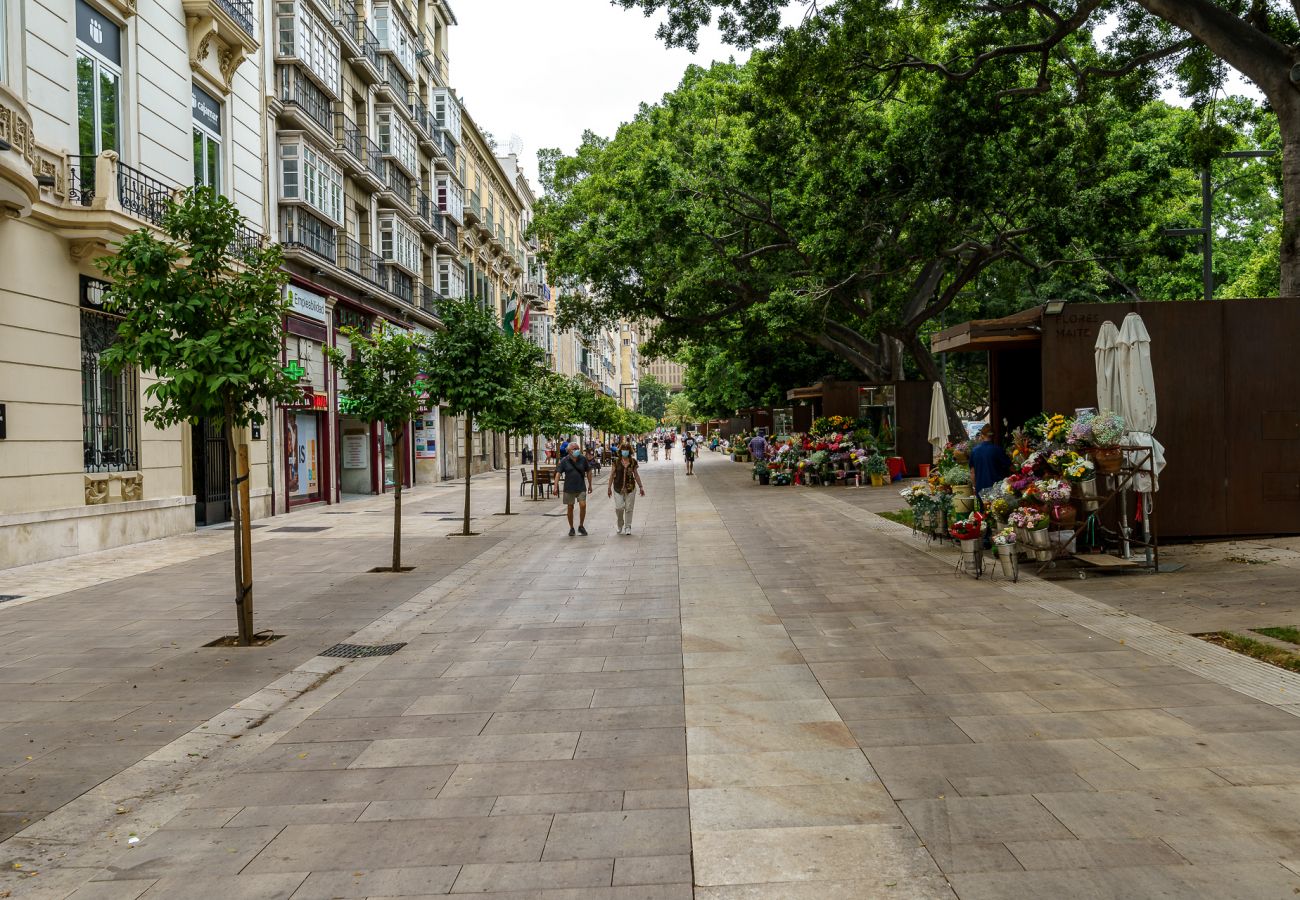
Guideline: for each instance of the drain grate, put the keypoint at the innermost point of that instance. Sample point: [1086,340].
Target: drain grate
[4,598]
[303,529]
[341,512]
[357,651]
[456,518]
[436,512]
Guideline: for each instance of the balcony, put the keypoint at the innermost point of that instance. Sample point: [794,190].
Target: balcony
[447,148]
[533,289]
[397,282]
[430,300]
[223,29]
[376,168]
[351,144]
[299,230]
[366,62]
[395,85]
[473,208]
[118,199]
[397,190]
[302,101]
[360,261]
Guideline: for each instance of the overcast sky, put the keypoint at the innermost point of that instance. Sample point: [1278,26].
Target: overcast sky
[546,70]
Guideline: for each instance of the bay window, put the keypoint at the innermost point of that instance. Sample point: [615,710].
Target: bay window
[303,35]
[306,174]
[395,37]
[396,139]
[399,243]
[451,279]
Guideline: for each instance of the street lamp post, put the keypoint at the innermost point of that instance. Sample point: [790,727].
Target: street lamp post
[1205,232]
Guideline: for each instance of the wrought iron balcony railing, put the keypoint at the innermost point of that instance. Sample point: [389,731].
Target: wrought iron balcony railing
[297,89]
[242,12]
[299,228]
[360,261]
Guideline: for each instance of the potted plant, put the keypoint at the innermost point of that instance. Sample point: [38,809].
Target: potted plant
[761,472]
[1081,473]
[1004,544]
[1107,429]
[1056,494]
[781,478]
[959,481]
[877,469]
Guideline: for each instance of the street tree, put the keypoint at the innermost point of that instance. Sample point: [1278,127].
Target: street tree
[788,196]
[1141,44]
[509,414]
[202,310]
[652,397]
[383,382]
[465,368]
[679,410]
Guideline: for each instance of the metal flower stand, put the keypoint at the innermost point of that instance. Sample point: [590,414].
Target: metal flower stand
[1008,561]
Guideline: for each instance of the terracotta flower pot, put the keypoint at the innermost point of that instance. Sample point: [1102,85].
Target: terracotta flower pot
[1064,515]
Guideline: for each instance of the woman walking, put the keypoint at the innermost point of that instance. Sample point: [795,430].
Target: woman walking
[624,486]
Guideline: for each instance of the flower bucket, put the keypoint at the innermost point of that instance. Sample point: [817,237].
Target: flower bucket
[971,551]
[1022,535]
[962,490]
[877,480]
[963,504]
[1088,495]
[1007,559]
[1043,555]
[764,479]
[924,470]
[940,523]
[1040,540]
[1107,459]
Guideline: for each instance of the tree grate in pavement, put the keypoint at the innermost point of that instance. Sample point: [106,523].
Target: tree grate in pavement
[357,651]
[4,598]
[303,529]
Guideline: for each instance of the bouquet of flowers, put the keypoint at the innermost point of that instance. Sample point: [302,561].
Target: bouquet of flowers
[914,493]
[1079,469]
[1056,428]
[781,478]
[1005,538]
[1081,431]
[969,528]
[1052,491]
[955,475]
[1028,518]
[1107,428]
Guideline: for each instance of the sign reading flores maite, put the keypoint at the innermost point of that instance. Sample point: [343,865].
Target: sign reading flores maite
[307,303]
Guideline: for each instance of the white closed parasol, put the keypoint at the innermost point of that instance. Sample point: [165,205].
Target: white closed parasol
[1136,394]
[938,433]
[1104,356]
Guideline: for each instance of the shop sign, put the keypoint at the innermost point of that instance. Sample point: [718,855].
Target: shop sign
[356,451]
[307,303]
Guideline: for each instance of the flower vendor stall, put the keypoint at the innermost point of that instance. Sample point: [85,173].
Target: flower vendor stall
[1229,421]
[897,410]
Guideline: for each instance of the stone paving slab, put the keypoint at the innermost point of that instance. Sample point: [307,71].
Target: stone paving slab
[755,696]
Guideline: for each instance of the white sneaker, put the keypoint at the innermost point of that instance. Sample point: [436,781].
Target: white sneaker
[620,529]
[627,529]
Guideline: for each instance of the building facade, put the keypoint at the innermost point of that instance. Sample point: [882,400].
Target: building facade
[107,109]
[670,373]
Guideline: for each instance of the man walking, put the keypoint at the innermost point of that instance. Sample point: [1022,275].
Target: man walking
[758,447]
[688,453]
[576,472]
[625,478]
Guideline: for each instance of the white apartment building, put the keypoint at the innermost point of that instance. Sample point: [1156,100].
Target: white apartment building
[107,107]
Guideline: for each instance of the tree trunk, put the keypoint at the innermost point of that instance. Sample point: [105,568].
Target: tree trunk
[243,593]
[508,474]
[469,450]
[399,463]
[1289,122]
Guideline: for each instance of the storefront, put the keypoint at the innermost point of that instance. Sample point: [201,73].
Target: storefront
[305,427]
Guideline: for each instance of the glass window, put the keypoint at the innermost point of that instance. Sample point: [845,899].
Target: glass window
[306,174]
[99,75]
[400,243]
[302,34]
[4,39]
[110,439]
[207,139]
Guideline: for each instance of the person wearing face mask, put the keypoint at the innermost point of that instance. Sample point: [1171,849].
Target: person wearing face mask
[576,471]
[624,486]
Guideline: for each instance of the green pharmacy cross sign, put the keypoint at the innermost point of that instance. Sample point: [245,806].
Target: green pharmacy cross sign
[295,369]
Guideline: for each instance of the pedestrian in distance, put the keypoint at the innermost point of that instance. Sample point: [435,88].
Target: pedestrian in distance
[624,486]
[668,446]
[550,450]
[654,449]
[758,447]
[688,453]
[576,472]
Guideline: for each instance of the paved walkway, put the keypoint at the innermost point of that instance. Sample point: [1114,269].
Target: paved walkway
[758,694]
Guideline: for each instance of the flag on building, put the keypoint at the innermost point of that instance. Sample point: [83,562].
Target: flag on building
[517,315]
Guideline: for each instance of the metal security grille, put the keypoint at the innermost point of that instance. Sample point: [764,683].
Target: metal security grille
[109,436]
[357,651]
